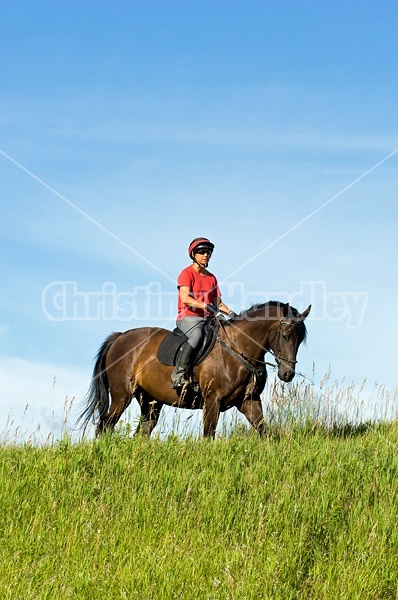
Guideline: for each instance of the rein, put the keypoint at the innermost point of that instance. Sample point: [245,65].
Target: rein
[246,361]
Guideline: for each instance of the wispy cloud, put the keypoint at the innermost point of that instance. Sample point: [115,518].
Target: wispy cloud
[34,395]
[84,214]
[314,212]
[276,117]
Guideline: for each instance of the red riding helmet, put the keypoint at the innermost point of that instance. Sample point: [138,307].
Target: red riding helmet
[199,243]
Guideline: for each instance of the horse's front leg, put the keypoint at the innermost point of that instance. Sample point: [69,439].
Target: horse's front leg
[253,411]
[211,413]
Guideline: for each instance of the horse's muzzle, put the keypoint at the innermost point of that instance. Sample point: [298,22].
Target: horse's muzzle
[285,374]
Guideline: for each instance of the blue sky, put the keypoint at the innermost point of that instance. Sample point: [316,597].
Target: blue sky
[129,128]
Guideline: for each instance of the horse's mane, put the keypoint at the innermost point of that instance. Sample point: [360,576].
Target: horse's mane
[269,309]
[265,306]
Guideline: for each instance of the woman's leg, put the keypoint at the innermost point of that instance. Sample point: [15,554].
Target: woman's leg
[192,327]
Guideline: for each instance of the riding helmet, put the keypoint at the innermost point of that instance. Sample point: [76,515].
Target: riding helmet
[199,243]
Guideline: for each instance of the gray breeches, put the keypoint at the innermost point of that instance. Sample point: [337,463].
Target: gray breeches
[193,329]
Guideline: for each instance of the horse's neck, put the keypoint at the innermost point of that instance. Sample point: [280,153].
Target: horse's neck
[255,334]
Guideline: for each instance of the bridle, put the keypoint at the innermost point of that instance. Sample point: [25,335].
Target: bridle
[278,354]
[255,365]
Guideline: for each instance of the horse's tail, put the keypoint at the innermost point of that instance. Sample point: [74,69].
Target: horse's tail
[97,398]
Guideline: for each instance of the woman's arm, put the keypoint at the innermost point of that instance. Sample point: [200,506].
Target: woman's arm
[187,298]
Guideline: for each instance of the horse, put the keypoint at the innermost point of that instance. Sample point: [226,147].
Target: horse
[233,374]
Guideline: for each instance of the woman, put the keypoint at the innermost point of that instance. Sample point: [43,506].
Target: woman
[199,298]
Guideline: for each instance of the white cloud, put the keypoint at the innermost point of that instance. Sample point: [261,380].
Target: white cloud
[39,399]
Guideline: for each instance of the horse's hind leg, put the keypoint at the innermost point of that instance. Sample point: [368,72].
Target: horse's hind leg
[150,411]
[119,402]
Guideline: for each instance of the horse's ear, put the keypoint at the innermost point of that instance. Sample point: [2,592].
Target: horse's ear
[286,310]
[305,314]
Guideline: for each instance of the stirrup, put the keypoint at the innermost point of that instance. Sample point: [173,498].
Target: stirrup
[179,383]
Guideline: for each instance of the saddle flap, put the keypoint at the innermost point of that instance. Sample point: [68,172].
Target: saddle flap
[209,339]
[169,346]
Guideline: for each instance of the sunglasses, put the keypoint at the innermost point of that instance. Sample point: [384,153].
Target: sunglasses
[203,251]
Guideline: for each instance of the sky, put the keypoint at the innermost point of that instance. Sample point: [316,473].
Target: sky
[130,128]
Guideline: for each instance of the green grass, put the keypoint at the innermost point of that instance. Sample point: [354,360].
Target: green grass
[310,513]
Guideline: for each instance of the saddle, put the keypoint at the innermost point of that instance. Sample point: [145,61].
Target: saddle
[170,345]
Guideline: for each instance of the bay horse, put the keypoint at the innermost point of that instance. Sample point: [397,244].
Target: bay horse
[233,374]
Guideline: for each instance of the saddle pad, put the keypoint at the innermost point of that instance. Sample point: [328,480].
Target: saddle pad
[169,345]
[168,348]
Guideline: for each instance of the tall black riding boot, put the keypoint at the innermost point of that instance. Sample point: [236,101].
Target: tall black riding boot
[179,375]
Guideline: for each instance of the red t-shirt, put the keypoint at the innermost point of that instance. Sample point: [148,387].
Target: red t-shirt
[202,287]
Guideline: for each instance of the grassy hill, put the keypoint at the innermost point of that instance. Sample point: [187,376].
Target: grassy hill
[312,513]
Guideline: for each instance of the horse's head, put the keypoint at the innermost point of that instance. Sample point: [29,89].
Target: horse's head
[290,332]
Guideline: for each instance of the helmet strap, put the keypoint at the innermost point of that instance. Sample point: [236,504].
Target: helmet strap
[200,266]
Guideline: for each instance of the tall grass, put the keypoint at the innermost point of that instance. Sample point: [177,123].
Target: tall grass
[331,405]
[307,516]
[309,512]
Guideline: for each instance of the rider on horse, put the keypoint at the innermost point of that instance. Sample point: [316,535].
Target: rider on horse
[199,298]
